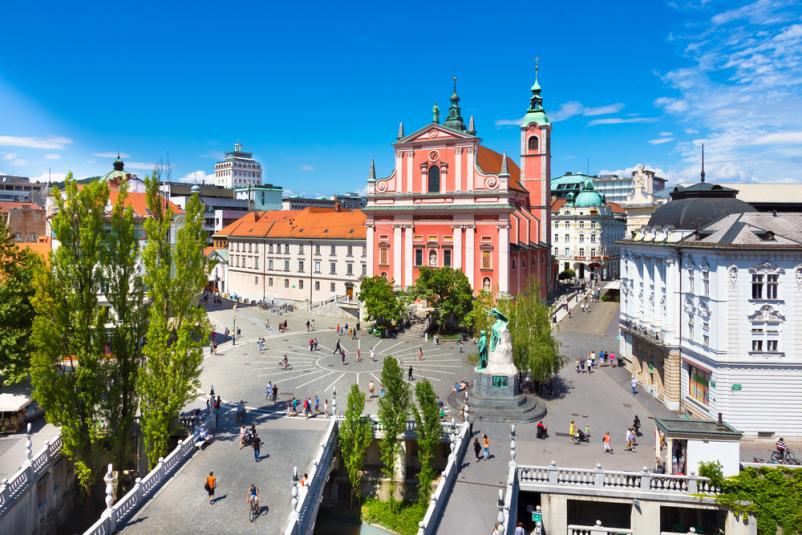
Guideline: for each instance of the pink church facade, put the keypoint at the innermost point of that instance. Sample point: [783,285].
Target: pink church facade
[452,202]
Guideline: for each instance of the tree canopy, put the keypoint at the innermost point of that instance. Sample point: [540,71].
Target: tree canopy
[356,433]
[429,431]
[393,411]
[446,290]
[382,304]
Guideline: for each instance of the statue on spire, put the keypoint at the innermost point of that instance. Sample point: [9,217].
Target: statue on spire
[436,113]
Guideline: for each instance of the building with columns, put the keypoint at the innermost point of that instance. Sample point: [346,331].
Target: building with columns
[452,202]
[710,297]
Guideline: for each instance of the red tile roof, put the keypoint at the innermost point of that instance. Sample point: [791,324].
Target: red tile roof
[6,206]
[138,201]
[309,223]
[490,162]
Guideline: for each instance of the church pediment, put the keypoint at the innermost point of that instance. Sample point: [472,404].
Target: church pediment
[433,133]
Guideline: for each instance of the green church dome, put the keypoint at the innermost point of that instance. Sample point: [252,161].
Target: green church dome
[588,197]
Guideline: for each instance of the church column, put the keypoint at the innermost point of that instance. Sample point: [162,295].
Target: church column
[399,175]
[410,177]
[469,164]
[504,258]
[457,261]
[458,170]
[397,255]
[370,245]
[424,170]
[407,256]
[443,177]
[470,249]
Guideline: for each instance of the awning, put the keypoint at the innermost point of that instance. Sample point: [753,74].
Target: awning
[613,285]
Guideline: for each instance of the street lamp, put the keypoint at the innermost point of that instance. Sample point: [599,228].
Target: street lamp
[234,332]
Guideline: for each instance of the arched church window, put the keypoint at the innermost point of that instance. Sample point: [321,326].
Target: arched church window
[486,284]
[533,143]
[434,179]
[432,258]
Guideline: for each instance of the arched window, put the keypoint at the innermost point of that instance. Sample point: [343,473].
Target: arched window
[432,258]
[434,179]
[486,284]
[533,143]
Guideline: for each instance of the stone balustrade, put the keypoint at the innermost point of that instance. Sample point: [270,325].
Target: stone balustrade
[598,529]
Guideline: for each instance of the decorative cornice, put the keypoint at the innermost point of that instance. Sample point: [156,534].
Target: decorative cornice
[766,313]
[766,267]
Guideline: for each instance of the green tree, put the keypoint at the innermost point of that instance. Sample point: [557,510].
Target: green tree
[446,290]
[382,304]
[567,274]
[429,431]
[17,270]
[479,319]
[125,293]
[393,411]
[534,348]
[355,435]
[175,276]
[67,368]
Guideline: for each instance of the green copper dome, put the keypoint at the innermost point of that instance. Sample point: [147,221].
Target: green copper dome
[588,197]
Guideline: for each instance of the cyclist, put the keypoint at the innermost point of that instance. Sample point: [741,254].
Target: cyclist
[781,449]
[252,497]
[285,362]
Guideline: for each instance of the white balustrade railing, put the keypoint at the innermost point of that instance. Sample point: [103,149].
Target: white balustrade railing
[557,477]
[437,502]
[598,529]
[118,514]
[11,489]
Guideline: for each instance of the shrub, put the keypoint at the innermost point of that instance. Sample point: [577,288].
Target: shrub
[402,519]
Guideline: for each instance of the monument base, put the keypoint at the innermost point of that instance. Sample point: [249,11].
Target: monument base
[495,397]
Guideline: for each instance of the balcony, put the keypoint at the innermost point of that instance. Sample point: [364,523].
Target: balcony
[652,334]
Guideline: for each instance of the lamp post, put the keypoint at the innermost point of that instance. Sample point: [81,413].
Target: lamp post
[234,332]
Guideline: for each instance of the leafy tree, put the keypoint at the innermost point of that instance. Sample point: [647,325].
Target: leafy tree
[356,433]
[67,368]
[125,293]
[17,269]
[478,318]
[567,274]
[430,431]
[534,348]
[175,275]
[382,304]
[393,410]
[446,290]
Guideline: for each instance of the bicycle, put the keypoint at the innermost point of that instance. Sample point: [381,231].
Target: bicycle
[790,458]
[253,512]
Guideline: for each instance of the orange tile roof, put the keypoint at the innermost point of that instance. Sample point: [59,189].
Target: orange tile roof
[41,247]
[556,204]
[138,201]
[616,208]
[6,206]
[309,223]
[490,162]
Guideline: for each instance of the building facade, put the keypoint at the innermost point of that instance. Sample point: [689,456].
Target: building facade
[308,256]
[710,293]
[584,231]
[452,202]
[348,201]
[238,169]
[25,220]
[20,189]
[620,189]
[261,197]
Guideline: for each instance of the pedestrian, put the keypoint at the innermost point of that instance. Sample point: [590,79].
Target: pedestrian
[275,394]
[590,365]
[409,374]
[256,442]
[336,347]
[582,364]
[497,529]
[612,360]
[267,324]
[308,326]
[577,365]
[342,356]
[313,324]
[628,446]
[460,347]
[371,389]
[593,359]
[519,529]
[634,384]
[326,406]
[239,332]
[420,353]
[211,485]
[358,355]
[338,329]
[477,449]
[317,405]
[485,447]
[372,355]
[571,430]
[606,443]
[353,334]
[269,390]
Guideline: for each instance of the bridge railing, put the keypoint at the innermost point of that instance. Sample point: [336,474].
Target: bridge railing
[598,529]
[439,498]
[116,515]
[12,489]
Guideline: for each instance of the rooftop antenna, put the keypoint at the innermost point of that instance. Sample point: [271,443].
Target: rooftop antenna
[702,174]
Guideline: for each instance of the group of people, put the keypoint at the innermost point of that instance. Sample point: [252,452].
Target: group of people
[310,325]
[345,329]
[481,451]
[271,391]
[312,344]
[577,435]
[308,409]
[261,343]
[282,326]
[594,360]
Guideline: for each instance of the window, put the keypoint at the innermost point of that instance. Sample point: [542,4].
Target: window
[706,340]
[270,264]
[432,258]
[418,257]
[581,224]
[256,280]
[317,266]
[300,284]
[772,282]
[332,268]
[757,346]
[250,250]
[699,384]
[690,329]
[364,270]
[333,250]
[593,253]
[581,238]
[301,249]
[771,346]
[592,238]
[556,251]
[270,281]
[447,258]
[567,251]
[765,335]
[286,283]
[556,237]
[568,237]
[269,247]
[434,179]
[757,286]
[349,269]
[300,266]
[592,224]
[487,260]
[383,256]
[582,252]
[533,143]
[706,282]
[350,250]
[286,265]
[332,287]
[317,249]
[255,262]
[317,286]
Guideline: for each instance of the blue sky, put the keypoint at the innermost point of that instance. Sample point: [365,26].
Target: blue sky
[317,89]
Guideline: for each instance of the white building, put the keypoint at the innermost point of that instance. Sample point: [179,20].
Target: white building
[238,169]
[309,255]
[711,294]
[584,231]
[620,189]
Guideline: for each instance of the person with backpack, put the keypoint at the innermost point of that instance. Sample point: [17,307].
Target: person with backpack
[210,486]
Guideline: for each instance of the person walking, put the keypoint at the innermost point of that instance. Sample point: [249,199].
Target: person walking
[372,355]
[308,326]
[519,529]
[211,485]
[342,356]
[256,442]
[477,449]
[577,365]
[606,443]
[337,347]
[485,447]
[571,430]
[409,374]
[275,394]
[612,360]
[371,389]
[634,385]
[590,365]
[420,353]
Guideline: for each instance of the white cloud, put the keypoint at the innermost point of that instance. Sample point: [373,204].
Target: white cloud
[666,134]
[622,120]
[508,122]
[570,109]
[53,177]
[52,156]
[49,142]
[660,140]
[780,138]
[307,168]
[139,166]
[10,156]
[603,110]
[111,154]
[199,177]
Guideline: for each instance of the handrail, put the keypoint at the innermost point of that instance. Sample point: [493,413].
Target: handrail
[11,489]
[598,529]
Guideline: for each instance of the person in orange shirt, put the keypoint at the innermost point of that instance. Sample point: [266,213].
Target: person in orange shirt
[211,484]
[606,442]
